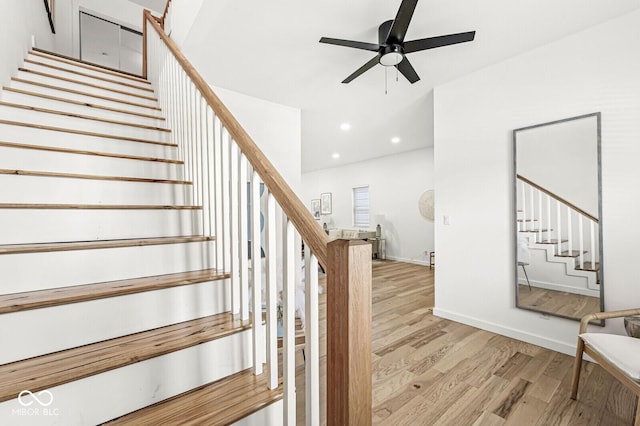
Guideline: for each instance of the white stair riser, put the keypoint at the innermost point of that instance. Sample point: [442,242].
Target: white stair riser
[62,162]
[58,328]
[26,189]
[112,84]
[61,225]
[36,101]
[41,271]
[83,88]
[55,120]
[34,136]
[105,396]
[86,98]
[83,69]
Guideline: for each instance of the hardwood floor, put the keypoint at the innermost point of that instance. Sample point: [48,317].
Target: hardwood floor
[431,371]
[560,302]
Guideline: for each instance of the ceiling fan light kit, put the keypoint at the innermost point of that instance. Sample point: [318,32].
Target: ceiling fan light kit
[392,49]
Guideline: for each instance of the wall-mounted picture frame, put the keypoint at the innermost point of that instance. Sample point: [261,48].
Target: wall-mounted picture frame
[325,203]
[315,208]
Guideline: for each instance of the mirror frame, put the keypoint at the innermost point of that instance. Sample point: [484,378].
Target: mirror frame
[515,132]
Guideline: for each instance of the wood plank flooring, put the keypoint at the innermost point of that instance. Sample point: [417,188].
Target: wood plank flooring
[432,371]
[565,304]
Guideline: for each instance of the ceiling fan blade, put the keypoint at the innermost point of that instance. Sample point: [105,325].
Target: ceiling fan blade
[373,62]
[401,23]
[348,43]
[407,70]
[433,42]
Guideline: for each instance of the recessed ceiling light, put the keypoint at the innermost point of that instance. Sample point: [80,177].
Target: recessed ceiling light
[395,139]
[345,126]
[336,155]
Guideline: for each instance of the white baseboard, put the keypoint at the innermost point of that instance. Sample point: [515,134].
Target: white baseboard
[405,260]
[534,339]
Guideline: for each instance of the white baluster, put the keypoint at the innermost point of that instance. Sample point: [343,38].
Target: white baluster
[532,225]
[594,255]
[312,341]
[580,242]
[524,208]
[549,225]
[217,167]
[256,276]
[272,292]
[540,220]
[235,229]
[569,232]
[289,300]
[204,166]
[244,238]
[559,224]
[226,210]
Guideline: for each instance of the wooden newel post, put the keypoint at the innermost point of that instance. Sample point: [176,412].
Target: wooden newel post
[349,398]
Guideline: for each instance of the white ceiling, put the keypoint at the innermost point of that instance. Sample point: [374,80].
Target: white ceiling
[153,5]
[270,50]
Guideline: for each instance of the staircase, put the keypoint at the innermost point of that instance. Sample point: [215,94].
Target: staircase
[562,240]
[112,297]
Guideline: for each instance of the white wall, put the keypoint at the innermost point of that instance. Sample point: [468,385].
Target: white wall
[395,184]
[182,14]
[18,21]
[273,127]
[595,70]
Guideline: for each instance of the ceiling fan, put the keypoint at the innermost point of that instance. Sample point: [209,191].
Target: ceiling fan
[391,46]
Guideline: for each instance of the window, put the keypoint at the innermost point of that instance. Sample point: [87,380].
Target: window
[361,207]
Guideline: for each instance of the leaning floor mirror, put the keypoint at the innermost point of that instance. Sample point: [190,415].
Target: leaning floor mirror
[558,241]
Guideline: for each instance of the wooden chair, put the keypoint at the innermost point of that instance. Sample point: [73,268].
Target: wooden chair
[619,355]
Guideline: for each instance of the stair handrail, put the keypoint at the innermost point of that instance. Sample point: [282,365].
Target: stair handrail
[165,13]
[49,6]
[309,229]
[558,198]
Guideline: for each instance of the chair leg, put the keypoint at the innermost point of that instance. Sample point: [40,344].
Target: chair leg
[527,277]
[577,366]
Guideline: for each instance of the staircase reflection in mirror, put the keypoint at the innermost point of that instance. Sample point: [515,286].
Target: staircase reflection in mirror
[558,226]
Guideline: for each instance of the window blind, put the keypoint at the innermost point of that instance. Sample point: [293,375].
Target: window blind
[361,207]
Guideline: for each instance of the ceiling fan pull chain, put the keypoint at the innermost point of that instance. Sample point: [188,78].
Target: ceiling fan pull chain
[385,80]
[397,74]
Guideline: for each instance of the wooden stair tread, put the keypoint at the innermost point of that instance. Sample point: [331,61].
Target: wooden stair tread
[84,83]
[84,117]
[552,241]
[90,245]
[92,177]
[46,371]
[85,133]
[85,64]
[536,230]
[588,266]
[71,71]
[219,403]
[572,253]
[81,293]
[84,104]
[84,152]
[96,206]
[79,92]
[527,220]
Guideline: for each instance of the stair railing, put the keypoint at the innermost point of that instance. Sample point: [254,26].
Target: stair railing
[238,189]
[549,216]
